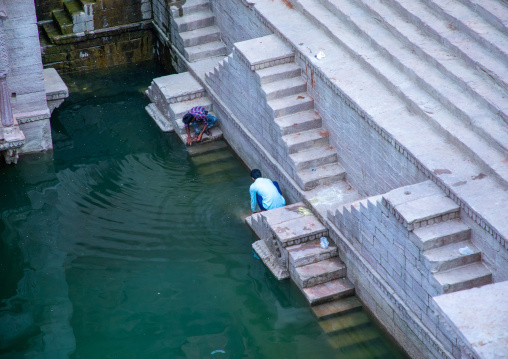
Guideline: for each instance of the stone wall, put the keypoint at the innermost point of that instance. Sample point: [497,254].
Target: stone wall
[111,13]
[25,77]
[93,51]
[237,21]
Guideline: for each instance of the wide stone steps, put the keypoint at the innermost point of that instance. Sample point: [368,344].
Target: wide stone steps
[495,12]
[469,22]
[472,81]
[459,43]
[417,98]
[298,122]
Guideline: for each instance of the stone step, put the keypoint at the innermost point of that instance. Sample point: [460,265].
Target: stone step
[354,339]
[469,78]
[441,234]
[279,72]
[284,87]
[215,168]
[449,256]
[344,322]
[449,81]
[200,36]
[337,307]
[460,44]
[174,88]
[298,230]
[464,277]
[164,123]
[466,20]
[310,178]
[63,21]
[73,7]
[194,20]
[215,48]
[216,134]
[291,104]
[263,52]
[207,148]
[268,259]
[427,210]
[298,122]
[495,12]
[179,109]
[190,7]
[51,30]
[310,252]
[306,140]
[329,291]
[313,158]
[211,157]
[318,272]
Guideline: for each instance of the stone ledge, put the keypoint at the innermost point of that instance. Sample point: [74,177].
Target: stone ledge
[269,260]
[263,52]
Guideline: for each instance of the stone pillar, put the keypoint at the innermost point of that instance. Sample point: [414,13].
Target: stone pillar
[5,104]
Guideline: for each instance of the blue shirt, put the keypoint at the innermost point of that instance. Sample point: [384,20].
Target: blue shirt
[266,189]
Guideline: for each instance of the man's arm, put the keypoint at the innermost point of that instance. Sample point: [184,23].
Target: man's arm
[253,201]
[202,131]
[189,137]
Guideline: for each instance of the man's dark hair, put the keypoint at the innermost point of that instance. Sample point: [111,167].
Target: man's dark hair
[255,173]
[187,118]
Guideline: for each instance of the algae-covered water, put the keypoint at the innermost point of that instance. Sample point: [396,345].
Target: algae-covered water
[120,244]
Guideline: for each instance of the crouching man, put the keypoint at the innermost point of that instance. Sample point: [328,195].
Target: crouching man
[264,193]
[195,116]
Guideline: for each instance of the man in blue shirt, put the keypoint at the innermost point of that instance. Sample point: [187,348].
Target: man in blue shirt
[264,193]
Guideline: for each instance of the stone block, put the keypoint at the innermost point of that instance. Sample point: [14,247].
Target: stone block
[263,51]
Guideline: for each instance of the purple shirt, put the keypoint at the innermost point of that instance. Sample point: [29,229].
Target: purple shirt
[199,114]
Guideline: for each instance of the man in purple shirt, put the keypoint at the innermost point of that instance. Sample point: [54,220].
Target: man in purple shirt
[195,116]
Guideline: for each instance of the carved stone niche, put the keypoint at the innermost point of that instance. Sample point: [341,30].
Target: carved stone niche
[11,155]
[177,3]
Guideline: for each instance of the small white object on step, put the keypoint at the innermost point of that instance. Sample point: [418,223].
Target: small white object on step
[466,251]
[320,55]
[324,242]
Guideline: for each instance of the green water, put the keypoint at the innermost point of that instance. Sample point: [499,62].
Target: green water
[120,244]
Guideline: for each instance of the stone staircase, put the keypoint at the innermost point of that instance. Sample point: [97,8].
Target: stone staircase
[290,247]
[194,32]
[312,159]
[172,97]
[76,16]
[454,262]
[446,62]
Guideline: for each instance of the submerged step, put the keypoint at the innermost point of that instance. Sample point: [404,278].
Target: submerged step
[344,322]
[351,339]
[339,306]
